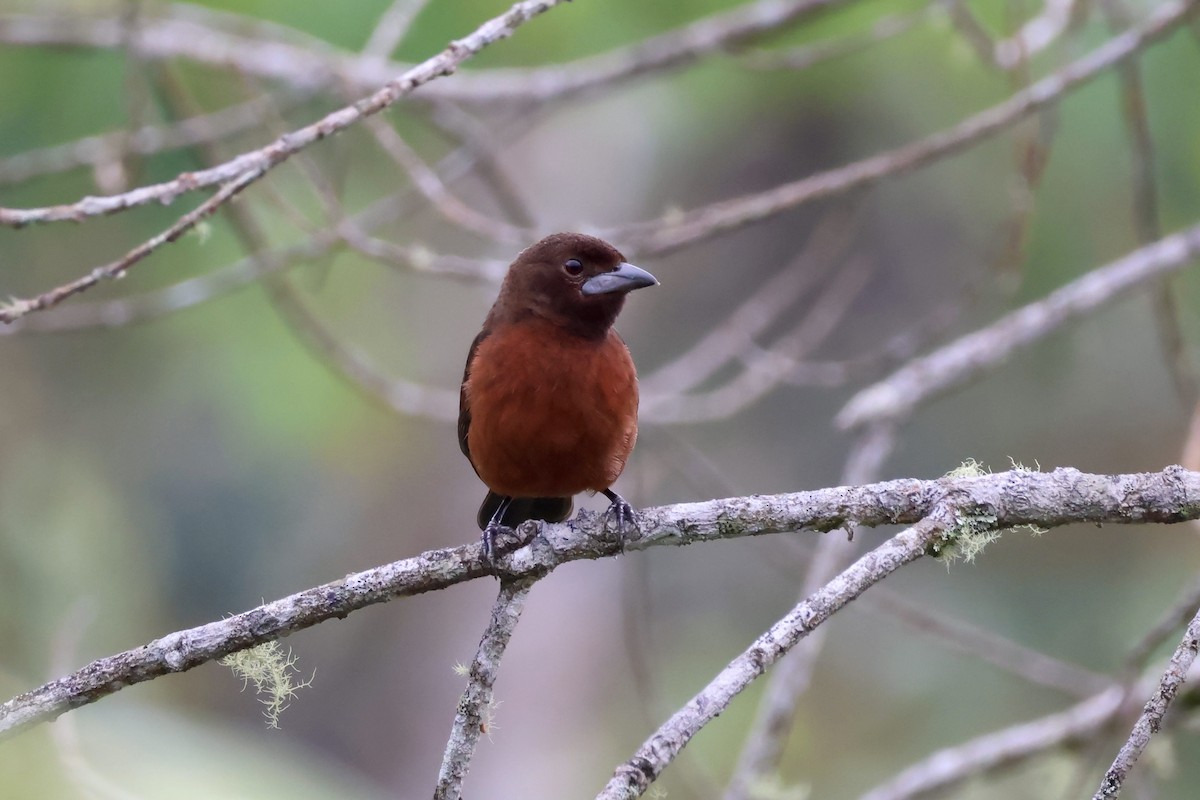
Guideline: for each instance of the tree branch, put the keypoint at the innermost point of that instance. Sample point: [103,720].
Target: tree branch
[900,394]
[677,230]
[266,158]
[16,308]
[994,750]
[271,55]
[1000,500]
[635,776]
[472,717]
[767,737]
[1152,715]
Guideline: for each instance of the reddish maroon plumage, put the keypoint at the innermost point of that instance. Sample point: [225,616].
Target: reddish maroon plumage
[549,399]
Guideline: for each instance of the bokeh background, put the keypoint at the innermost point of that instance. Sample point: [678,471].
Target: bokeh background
[160,474]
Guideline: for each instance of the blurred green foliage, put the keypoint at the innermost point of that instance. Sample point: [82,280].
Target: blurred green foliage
[159,475]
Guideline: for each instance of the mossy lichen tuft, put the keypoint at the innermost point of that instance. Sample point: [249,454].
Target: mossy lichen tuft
[272,670]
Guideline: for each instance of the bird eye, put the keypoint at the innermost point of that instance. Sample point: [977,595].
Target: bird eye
[573,266]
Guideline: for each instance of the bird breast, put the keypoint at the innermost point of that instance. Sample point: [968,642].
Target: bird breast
[552,414]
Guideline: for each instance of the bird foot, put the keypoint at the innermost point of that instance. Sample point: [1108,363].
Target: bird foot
[500,540]
[623,517]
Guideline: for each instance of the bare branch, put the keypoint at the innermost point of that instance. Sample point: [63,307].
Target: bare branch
[473,714]
[392,27]
[1012,657]
[764,368]
[1057,17]
[899,395]
[259,162]
[398,394]
[270,56]
[674,230]
[953,765]
[1009,498]
[807,56]
[485,146]
[431,186]
[1152,715]
[1145,211]
[732,337]
[16,308]
[1178,614]
[634,777]
[764,745]
[96,151]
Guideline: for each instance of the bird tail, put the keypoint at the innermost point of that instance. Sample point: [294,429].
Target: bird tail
[550,509]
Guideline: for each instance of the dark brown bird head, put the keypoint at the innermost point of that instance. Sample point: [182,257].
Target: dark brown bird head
[573,280]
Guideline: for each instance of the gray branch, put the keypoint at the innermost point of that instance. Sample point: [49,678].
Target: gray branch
[308,65]
[953,765]
[910,387]
[287,145]
[634,777]
[474,709]
[1152,715]
[1002,500]
[674,231]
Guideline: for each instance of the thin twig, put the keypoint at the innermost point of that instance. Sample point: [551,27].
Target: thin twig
[1178,614]
[398,394]
[94,151]
[270,56]
[16,308]
[351,231]
[392,27]
[243,272]
[731,337]
[675,230]
[907,389]
[259,162]
[1010,498]
[763,747]
[808,56]
[988,646]
[1144,205]
[632,778]
[1152,715]
[1057,17]
[431,186]
[972,758]
[474,708]
[764,368]
[491,170]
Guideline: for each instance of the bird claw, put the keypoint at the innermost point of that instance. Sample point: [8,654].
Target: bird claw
[622,515]
[500,540]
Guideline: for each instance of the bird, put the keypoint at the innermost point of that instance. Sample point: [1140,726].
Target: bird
[549,398]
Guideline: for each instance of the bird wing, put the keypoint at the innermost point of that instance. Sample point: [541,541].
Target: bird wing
[464,408]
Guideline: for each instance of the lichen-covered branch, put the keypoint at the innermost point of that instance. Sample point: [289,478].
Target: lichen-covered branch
[998,501]
[1152,715]
[471,719]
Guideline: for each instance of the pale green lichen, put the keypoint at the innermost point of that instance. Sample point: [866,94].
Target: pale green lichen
[972,532]
[968,469]
[272,670]
[1019,467]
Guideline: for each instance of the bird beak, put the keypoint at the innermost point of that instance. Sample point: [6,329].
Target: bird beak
[625,278]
